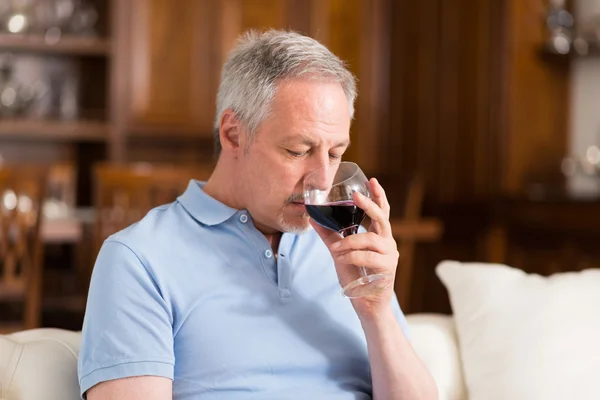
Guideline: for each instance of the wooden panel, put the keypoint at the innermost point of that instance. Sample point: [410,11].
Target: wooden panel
[183,103]
[412,138]
[537,100]
[547,236]
[298,15]
[355,30]
[372,114]
[477,112]
[171,73]
[170,152]
[119,106]
[467,138]
[340,30]
[358,32]
[262,14]
[444,70]
[238,16]
[445,97]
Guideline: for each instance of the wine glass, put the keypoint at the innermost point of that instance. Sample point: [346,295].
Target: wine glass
[328,198]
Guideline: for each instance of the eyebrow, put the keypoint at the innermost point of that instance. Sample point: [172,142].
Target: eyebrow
[305,140]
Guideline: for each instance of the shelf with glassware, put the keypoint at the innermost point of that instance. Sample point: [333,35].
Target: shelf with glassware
[81,131]
[54,62]
[68,45]
[579,49]
[566,39]
[52,97]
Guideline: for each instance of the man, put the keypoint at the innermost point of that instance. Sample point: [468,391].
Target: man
[232,292]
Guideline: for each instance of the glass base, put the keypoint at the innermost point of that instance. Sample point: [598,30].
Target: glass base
[368,286]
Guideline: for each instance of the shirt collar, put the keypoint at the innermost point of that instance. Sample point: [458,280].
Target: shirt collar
[203,207]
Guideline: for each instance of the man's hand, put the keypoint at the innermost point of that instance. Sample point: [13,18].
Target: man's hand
[376,250]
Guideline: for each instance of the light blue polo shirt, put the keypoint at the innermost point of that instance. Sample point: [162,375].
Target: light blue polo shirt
[193,292]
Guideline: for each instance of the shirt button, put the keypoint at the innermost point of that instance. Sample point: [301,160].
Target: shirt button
[243,218]
[268,253]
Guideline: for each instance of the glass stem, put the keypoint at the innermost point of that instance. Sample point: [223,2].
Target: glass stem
[351,231]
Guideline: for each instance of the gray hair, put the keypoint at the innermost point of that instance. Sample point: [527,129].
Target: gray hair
[260,60]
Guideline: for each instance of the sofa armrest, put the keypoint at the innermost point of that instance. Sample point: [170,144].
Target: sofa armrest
[433,337]
[43,362]
[39,364]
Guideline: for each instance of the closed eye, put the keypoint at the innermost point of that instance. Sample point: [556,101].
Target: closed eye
[296,154]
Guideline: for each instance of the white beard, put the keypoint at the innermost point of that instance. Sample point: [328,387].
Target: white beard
[294,227]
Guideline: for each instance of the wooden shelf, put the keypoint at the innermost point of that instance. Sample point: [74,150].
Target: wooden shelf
[592,52]
[66,45]
[88,131]
[169,133]
[424,229]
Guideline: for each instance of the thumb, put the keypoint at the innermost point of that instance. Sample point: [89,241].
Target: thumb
[328,236]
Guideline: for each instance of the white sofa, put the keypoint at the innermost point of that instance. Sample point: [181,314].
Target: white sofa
[41,364]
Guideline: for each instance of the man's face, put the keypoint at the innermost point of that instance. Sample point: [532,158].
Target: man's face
[308,128]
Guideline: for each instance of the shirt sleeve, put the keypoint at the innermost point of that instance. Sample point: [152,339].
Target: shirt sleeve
[127,329]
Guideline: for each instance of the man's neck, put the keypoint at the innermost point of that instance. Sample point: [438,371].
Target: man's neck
[220,187]
[274,241]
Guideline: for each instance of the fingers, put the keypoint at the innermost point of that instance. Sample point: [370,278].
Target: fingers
[369,259]
[328,236]
[379,197]
[363,241]
[375,212]
[366,250]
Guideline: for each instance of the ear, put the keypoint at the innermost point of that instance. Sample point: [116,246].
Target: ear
[230,132]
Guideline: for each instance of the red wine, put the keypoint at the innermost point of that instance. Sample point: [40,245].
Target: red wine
[342,216]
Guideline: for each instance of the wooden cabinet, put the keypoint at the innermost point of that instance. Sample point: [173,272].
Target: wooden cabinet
[168,66]
[171,54]
[357,31]
[476,109]
[480,115]
[150,80]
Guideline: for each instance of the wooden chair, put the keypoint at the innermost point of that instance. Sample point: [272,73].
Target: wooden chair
[125,193]
[62,183]
[22,192]
[408,230]
[61,201]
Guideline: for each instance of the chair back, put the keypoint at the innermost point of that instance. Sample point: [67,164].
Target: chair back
[22,193]
[124,193]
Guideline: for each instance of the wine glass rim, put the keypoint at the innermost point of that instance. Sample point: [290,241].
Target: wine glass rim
[356,170]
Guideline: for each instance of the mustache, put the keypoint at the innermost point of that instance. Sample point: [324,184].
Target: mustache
[295,198]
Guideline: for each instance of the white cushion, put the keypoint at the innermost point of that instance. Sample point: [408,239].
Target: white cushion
[39,364]
[434,339]
[42,363]
[524,336]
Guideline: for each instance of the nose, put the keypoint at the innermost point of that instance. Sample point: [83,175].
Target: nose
[320,178]
[321,173]
[319,170]
[321,159]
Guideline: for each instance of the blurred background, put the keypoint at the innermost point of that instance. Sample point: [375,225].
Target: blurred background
[480,118]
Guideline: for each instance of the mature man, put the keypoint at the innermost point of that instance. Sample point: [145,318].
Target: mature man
[228,293]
